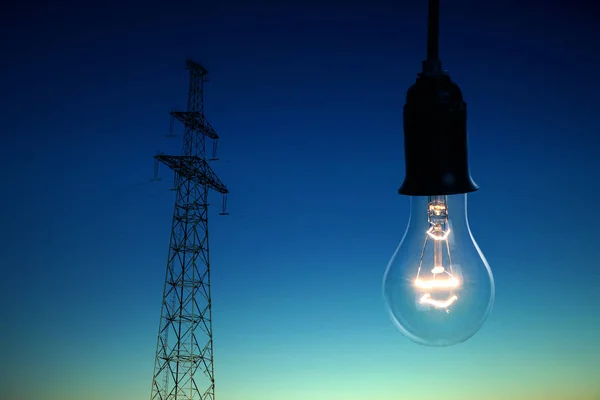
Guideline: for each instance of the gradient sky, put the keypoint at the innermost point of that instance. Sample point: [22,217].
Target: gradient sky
[307,97]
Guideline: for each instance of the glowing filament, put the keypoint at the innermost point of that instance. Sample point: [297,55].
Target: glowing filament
[439,232]
[437,283]
[426,299]
[438,209]
[435,234]
[437,270]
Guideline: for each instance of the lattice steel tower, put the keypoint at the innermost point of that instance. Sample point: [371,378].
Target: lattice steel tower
[183,368]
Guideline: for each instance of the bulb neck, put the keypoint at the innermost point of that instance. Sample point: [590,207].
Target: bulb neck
[423,211]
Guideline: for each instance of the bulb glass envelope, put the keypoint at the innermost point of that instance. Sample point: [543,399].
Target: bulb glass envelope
[438,286]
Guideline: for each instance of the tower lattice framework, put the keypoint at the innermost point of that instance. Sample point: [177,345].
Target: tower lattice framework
[183,367]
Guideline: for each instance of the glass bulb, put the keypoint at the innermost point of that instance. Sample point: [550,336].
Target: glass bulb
[438,286]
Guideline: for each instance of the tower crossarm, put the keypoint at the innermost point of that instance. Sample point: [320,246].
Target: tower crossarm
[193,168]
[195,68]
[196,122]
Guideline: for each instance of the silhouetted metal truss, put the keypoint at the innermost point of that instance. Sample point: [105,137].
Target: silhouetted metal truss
[193,168]
[196,121]
[184,367]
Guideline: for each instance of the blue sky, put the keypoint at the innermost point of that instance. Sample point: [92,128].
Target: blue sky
[307,98]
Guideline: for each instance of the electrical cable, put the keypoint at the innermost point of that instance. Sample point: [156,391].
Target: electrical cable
[433,30]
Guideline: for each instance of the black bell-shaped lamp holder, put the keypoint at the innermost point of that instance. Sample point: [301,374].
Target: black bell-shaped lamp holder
[435,128]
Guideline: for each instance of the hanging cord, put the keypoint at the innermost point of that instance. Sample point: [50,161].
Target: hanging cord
[433,30]
[432,66]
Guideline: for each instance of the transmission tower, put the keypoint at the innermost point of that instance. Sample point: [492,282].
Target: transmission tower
[183,367]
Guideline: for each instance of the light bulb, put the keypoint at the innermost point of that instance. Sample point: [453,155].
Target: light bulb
[438,286]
